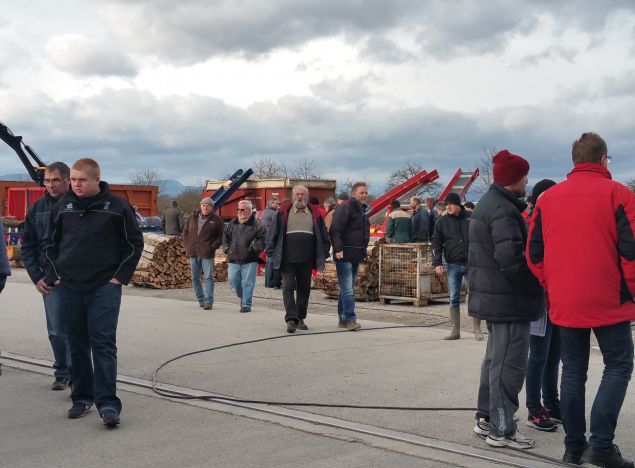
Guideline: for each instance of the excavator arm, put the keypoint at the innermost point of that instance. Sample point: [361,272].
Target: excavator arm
[25,153]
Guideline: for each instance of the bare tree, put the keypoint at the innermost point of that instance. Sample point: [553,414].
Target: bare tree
[265,167]
[630,183]
[408,170]
[345,186]
[144,176]
[306,169]
[486,171]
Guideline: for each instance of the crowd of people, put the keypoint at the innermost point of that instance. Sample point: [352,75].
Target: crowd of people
[541,281]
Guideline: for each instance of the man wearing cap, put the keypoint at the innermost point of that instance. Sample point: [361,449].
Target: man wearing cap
[172,220]
[505,293]
[202,235]
[451,241]
[587,265]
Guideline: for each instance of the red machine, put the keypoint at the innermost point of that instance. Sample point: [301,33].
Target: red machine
[405,190]
[460,183]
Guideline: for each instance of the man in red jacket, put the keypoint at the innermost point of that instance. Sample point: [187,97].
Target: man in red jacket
[587,265]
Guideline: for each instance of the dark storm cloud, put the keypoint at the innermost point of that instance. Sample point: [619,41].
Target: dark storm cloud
[201,137]
[190,31]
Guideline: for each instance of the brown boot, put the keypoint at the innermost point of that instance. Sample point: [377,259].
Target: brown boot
[352,326]
[476,323]
[455,317]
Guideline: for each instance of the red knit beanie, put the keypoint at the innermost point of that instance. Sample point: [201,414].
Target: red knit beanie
[509,168]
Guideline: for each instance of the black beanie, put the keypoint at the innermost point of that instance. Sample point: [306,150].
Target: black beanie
[539,188]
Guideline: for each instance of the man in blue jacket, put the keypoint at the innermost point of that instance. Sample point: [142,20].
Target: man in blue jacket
[91,250]
[38,220]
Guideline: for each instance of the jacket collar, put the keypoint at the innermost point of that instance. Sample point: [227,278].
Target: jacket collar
[592,168]
[287,207]
[521,205]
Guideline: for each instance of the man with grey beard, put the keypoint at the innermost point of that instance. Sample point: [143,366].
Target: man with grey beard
[297,242]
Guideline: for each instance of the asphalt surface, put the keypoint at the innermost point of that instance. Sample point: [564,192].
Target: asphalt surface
[404,367]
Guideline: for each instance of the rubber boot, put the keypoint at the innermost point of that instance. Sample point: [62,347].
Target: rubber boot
[476,323]
[455,317]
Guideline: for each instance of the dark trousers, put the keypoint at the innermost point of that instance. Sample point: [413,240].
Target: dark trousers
[296,288]
[92,329]
[616,345]
[543,368]
[502,375]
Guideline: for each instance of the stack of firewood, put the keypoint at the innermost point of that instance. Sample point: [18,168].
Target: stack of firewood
[367,285]
[163,264]
[15,256]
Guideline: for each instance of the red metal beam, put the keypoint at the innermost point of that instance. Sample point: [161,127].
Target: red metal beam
[422,178]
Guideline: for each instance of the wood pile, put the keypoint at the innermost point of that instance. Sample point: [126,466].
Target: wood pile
[15,256]
[367,285]
[164,265]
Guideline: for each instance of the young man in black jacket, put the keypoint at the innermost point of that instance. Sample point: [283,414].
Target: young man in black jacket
[38,219]
[451,240]
[504,292]
[350,233]
[92,248]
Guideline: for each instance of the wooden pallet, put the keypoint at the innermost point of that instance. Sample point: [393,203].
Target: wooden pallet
[420,302]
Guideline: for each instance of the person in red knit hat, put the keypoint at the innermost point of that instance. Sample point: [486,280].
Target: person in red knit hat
[505,293]
[587,264]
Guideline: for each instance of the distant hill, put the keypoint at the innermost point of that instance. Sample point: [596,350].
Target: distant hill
[172,188]
[15,177]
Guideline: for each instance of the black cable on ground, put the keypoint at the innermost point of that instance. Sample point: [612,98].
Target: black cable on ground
[168,393]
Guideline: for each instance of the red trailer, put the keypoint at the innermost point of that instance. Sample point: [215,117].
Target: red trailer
[258,191]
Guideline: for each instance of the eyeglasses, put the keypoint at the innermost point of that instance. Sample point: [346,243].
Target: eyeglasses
[242,209]
[608,159]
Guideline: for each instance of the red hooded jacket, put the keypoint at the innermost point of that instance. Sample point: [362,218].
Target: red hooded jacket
[581,248]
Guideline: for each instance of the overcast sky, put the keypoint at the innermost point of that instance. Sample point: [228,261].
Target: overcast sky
[199,88]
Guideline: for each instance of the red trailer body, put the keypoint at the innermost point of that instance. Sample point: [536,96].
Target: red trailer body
[258,191]
[17,196]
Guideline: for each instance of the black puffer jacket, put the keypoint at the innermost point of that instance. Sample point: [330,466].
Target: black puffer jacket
[502,288]
[92,241]
[451,238]
[35,226]
[350,231]
[243,242]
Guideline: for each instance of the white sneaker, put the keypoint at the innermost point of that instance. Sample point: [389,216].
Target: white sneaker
[518,441]
[482,427]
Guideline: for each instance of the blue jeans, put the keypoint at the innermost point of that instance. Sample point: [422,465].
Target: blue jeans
[92,329]
[346,277]
[58,335]
[243,280]
[543,368]
[456,272]
[206,266]
[616,345]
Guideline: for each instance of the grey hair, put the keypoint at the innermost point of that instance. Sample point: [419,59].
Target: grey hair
[248,203]
[299,187]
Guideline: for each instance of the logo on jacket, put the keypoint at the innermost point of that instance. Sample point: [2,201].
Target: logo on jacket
[69,206]
[107,205]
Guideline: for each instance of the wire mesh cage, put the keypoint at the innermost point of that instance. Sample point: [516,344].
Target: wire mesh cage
[400,266]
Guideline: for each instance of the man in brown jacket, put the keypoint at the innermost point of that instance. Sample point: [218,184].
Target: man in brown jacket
[202,235]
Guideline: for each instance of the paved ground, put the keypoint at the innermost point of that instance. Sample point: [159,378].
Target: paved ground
[409,366]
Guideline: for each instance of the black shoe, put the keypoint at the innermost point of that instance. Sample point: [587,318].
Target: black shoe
[201,303]
[60,384]
[611,458]
[554,414]
[302,325]
[291,326]
[110,417]
[208,306]
[245,309]
[538,419]
[573,456]
[78,410]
